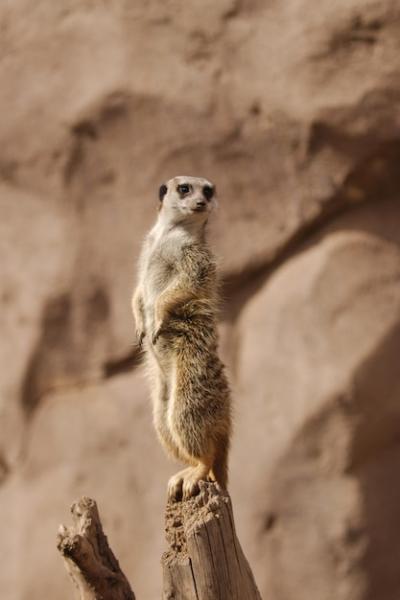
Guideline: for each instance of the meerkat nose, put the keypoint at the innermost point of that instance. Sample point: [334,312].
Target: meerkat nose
[200,203]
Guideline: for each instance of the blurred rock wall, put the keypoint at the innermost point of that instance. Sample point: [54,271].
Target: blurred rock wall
[293,110]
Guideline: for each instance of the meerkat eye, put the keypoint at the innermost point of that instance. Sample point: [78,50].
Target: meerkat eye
[183,189]
[208,192]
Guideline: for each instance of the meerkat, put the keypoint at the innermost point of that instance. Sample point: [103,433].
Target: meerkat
[175,307]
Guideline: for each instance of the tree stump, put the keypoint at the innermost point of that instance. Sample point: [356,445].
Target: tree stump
[205,560]
[88,558]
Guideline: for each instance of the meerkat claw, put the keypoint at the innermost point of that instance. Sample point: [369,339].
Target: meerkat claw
[190,488]
[176,483]
[175,487]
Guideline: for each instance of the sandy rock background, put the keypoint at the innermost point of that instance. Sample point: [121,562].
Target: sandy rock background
[292,108]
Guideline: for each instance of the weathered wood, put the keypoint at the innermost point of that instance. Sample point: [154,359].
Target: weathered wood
[205,560]
[89,559]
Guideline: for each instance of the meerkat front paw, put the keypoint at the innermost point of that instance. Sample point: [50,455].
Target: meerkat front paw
[157,332]
[140,335]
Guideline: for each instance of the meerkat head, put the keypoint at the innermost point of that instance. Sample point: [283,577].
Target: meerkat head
[187,199]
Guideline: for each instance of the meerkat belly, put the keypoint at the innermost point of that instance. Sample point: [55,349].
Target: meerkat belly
[157,277]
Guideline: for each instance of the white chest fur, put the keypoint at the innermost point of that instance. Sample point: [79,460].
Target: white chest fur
[160,258]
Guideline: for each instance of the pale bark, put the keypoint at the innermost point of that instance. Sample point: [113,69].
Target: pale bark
[88,558]
[205,560]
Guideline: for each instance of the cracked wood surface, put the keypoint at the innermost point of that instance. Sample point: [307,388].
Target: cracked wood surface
[89,559]
[205,560]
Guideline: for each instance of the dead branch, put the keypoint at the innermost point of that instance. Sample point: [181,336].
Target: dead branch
[89,559]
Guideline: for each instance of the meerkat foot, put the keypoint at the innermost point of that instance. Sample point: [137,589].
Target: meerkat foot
[175,485]
[191,480]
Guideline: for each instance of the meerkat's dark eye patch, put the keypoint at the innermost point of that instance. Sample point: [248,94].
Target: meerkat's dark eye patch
[208,191]
[183,189]
[162,191]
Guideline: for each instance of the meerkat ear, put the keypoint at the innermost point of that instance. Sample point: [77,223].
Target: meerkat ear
[162,191]
[209,191]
